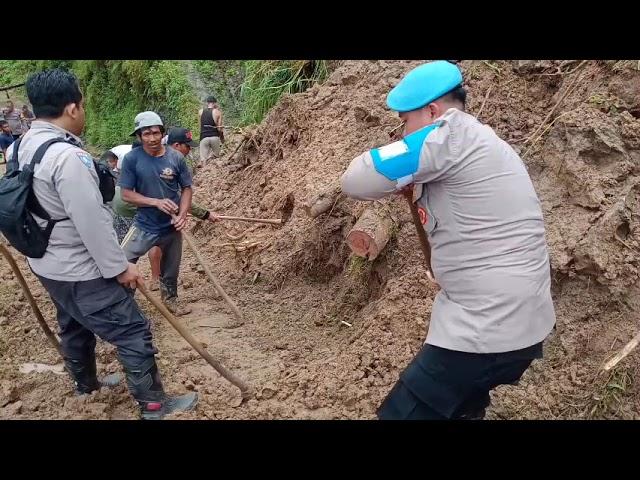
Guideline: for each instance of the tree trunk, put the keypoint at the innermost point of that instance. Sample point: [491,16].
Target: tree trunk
[371,233]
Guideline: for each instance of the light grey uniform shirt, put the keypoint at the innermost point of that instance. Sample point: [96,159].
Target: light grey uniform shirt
[486,230]
[65,183]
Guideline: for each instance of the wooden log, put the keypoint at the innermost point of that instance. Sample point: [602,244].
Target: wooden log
[321,202]
[371,233]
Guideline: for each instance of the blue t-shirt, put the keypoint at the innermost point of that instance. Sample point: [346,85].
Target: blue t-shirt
[155,177]
[5,140]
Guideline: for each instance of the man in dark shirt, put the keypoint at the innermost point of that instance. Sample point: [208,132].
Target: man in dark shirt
[157,180]
[211,130]
[6,139]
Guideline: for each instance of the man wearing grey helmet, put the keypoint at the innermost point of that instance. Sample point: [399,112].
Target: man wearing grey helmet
[156,179]
[488,250]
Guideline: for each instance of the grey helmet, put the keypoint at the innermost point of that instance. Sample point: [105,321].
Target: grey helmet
[146,119]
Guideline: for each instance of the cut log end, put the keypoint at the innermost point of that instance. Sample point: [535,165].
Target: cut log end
[362,244]
[370,234]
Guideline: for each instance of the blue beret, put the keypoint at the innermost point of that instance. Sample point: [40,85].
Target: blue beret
[423,85]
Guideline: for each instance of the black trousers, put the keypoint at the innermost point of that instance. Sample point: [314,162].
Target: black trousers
[102,307]
[441,384]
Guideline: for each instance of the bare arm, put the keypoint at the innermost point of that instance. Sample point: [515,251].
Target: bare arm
[217,117]
[185,206]
[185,201]
[139,200]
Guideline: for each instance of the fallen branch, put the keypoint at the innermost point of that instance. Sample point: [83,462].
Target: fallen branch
[243,234]
[617,237]
[559,69]
[543,132]
[396,128]
[626,350]
[497,69]
[272,221]
[484,101]
[253,165]
[553,110]
[237,148]
[4,89]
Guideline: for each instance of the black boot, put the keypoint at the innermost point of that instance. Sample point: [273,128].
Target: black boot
[169,296]
[146,387]
[83,373]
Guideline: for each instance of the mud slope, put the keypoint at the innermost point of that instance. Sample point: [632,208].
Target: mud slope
[297,284]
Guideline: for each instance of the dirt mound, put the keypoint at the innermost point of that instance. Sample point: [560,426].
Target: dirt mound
[327,333]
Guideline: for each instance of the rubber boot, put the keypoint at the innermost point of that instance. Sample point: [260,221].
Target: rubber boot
[83,374]
[146,387]
[176,307]
[169,297]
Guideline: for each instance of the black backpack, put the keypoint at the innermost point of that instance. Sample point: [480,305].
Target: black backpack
[107,180]
[17,202]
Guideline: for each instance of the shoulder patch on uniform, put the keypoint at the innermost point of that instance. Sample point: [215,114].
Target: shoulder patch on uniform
[86,159]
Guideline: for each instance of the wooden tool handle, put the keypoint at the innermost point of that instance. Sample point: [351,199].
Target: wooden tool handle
[182,330]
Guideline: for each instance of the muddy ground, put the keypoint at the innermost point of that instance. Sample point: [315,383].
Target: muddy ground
[576,126]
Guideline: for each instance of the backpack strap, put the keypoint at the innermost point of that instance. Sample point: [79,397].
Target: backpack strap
[33,203]
[12,165]
[42,149]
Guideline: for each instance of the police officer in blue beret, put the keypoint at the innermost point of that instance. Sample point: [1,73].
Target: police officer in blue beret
[488,250]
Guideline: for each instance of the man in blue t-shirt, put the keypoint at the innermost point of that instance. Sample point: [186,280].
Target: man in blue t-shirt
[6,138]
[157,180]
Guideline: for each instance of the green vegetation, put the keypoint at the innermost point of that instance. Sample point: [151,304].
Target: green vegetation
[247,90]
[116,90]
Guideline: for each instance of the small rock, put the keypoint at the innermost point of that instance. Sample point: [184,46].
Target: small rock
[8,393]
[190,385]
[269,391]
[14,408]
[311,403]
[74,403]
[97,409]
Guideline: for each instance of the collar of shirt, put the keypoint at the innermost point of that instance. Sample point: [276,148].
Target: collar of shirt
[44,126]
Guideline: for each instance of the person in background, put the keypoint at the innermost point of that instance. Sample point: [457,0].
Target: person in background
[110,159]
[157,180]
[211,130]
[13,117]
[27,117]
[6,139]
[182,141]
